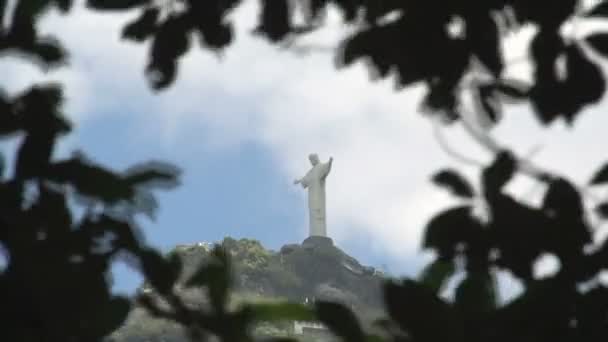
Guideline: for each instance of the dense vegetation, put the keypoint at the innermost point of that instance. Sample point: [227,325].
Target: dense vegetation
[54,286]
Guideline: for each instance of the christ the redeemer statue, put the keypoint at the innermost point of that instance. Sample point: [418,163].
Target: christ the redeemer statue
[314,181]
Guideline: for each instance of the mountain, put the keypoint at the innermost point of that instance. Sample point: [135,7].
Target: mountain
[313,270]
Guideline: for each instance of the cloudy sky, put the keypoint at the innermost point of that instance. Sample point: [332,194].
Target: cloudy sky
[241,125]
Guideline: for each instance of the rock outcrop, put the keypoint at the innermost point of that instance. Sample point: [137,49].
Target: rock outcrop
[313,270]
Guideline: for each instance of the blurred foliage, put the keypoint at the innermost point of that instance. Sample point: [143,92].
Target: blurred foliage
[55,287]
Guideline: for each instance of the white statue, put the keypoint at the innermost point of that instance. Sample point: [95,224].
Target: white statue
[315,182]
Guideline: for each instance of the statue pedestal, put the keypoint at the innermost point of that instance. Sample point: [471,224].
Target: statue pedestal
[318,241]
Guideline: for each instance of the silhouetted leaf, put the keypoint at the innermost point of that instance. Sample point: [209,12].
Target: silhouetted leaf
[563,200]
[499,173]
[340,320]
[159,271]
[142,27]
[64,5]
[9,122]
[275,21]
[585,83]
[116,4]
[600,10]
[110,316]
[482,35]
[600,176]
[449,228]
[476,294]
[599,42]
[34,155]
[90,180]
[3,4]
[38,109]
[209,20]
[272,312]
[157,174]
[349,9]
[172,40]
[547,46]
[436,274]
[454,182]
[49,51]
[548,15]
[422,315]
[602,210]
[215,275]
[316,9]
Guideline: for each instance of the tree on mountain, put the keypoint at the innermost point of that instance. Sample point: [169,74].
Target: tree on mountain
[453,48]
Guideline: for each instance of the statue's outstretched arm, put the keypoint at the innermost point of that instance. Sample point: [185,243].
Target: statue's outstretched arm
[327,167]
[301,182]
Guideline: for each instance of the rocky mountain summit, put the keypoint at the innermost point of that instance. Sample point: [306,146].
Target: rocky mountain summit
[313,270]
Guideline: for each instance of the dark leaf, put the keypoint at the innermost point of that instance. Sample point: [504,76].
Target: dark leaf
[116,4]
[482,35]
[441,100]
[216,276]
[49,51]
[448,229]
[548,91]
[217,36]
[3,4]
[91,180]
[34,155]
[600,10]
[499,173]
[549,15]
[436,274]
[601,176]
[9,122]
[161,74]
[159,271]
[64,5]
[563,201]
[172,40]
[152,174]
[419,312]
[602,210]
[38,109]
[127,236]
[209,19]
[275,19]
[143,27]
[544,310]
[476,294]
[584,85]
[454,182]
[110,316]
[599,42]
[340,320]
[316,9]
[52,209]
[592,308]
[272,312]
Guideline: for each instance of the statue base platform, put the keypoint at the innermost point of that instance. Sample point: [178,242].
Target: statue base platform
[318,241]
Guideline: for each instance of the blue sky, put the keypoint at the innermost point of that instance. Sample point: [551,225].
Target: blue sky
[241,126]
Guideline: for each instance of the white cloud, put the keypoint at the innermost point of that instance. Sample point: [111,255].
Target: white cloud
[384,149]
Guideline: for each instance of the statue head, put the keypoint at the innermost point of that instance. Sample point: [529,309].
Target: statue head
[314,159]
